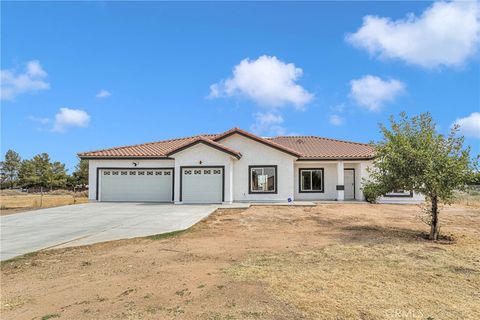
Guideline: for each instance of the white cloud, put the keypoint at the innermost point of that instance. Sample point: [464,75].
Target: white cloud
[470,126]
[447,33]
[40,120]
[70,118]
[336,120]
[372,92]
[103,94]
[268,123]
[30,81]
[267,81]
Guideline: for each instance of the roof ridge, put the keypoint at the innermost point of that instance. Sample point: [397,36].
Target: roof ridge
[147,143]
[322,138]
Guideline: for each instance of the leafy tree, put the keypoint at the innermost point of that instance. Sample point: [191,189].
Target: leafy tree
[80,175]
[9,168]
[412,156]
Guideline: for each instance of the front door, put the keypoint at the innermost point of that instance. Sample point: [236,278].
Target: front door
[349,181]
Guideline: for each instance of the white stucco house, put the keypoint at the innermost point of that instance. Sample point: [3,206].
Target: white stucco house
[234,166]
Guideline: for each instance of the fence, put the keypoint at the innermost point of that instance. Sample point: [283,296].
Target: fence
[41,200]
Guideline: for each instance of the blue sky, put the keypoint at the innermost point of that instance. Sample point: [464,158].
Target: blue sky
[88,75]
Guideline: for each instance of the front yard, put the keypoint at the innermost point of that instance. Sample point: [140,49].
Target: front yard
[333,261]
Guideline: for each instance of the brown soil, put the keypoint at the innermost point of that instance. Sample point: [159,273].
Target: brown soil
[333,261]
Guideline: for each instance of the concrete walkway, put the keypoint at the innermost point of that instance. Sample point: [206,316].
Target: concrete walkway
[89,223]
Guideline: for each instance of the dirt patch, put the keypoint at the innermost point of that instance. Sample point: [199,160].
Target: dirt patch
[333,261]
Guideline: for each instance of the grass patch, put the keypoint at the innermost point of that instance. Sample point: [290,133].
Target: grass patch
[371,282]
[19,258]
[166,235]
[50,316]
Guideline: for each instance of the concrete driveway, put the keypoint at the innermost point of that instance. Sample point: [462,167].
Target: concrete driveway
[92,222]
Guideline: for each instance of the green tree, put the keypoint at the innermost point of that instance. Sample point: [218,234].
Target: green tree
[9,169]
[59,176]
[80,174]
[27,175]
[412,156]
[43,169]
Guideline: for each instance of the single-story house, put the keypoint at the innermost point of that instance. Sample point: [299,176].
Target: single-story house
[234,166]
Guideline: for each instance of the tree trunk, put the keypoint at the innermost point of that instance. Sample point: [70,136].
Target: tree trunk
[434,228]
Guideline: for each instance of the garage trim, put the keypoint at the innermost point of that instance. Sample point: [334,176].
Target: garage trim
[136,168]
[206,167]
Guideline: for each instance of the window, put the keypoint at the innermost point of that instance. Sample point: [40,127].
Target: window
[400,193]
[167,173]
[263,179]
[207,172]
[197,171]
[216,171]
[311,180]
[123,173]
[132,173]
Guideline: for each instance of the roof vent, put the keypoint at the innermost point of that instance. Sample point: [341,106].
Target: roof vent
[300,141]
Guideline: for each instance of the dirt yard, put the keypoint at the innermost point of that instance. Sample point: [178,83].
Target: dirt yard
[333,261]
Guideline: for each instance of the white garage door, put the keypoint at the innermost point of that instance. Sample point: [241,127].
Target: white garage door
[202,185]
[135,184]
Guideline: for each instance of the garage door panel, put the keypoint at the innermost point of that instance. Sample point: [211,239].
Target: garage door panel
[202,185]
[136,185]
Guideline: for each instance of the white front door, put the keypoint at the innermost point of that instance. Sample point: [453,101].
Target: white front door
[202,185]
[349,181]
[135,184]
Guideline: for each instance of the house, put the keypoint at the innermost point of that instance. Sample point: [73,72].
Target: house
[234,166]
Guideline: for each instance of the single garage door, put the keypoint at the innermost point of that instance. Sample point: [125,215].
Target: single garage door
[202,185]
[136,185]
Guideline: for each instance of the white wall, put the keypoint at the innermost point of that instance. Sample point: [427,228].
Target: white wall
[255,153]
[93,164]
[208,156]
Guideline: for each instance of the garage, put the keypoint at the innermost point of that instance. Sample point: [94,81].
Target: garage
[202,185]
[142,185]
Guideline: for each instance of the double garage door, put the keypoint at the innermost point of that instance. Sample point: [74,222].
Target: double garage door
[154,185]
[197,185]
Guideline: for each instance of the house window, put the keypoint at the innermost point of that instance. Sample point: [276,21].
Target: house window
[400,193]
[263,179]
[311,180]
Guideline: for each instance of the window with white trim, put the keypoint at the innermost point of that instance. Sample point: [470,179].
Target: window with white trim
[311,180]
[263,179]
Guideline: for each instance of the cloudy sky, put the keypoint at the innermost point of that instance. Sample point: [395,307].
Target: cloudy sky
[82,76]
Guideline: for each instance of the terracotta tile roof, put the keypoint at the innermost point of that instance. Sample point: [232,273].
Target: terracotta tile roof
[258,139]
[207,141]
[157,149]
[312,147]
[303,147]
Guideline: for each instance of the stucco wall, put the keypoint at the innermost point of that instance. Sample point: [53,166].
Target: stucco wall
[93,164]
[255,153]
[208,156]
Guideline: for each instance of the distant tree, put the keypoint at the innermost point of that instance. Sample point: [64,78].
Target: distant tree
[58,177]
[412,156]
[80,175]
[9,169]
[27,175]
[43,169]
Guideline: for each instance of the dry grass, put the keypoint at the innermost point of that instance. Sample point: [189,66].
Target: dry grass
[470,197]
[333,261]
[34,201]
